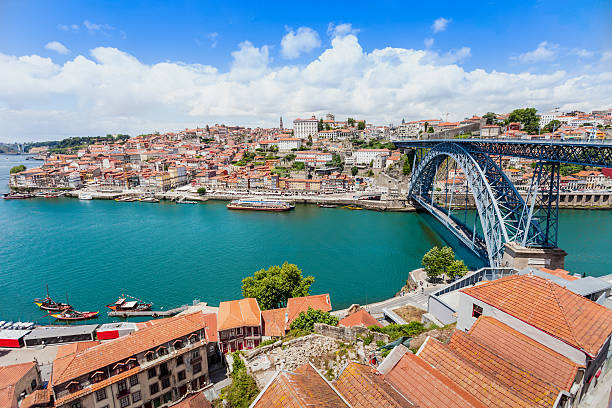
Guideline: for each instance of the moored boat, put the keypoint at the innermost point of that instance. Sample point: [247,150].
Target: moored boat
[85,196]
[17,196]
[260,205]
[50,305]
[328,205]
[73,315]
[149,200]
[122,304]
[352,207]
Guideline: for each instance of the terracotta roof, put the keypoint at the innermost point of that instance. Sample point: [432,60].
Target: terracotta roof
[82,362]
[362,387]
[428,387]
[195,401]
[561,273]
[359,318]
[301,304]
[9,376]
[524,352]
[302,388]
[38,397]
[483,387]
[549,307]
[274,322]
[97,386]
[524,383]
[238,313]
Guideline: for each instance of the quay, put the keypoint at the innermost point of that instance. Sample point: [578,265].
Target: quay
[148,313]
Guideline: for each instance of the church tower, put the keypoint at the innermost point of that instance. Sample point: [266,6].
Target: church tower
[281,123]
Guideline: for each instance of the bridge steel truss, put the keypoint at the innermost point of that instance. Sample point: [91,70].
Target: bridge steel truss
[500,208]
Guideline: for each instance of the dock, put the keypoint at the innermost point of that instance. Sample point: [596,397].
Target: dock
[148,313]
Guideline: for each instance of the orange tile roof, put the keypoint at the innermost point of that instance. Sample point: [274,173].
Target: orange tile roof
[302,388]
[486,389]
[549,307]
[560,273]
[522,382]
[38,397]
[524,352]
[9,376]
[362,387]
[82,362]
[97,386]
[238,313]
[274,322]
[428,387]
[359,318]
[301,304]
[195,401]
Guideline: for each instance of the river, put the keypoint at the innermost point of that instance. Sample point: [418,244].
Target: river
[170,254]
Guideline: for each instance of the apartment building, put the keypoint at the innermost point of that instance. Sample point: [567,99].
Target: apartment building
[302,128]
[313,158]
[239,325]
[151,367]
[367,156]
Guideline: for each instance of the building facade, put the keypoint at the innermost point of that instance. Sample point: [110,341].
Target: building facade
[303,128]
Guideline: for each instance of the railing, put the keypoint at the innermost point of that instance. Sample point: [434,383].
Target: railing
[446,313]
[508,139]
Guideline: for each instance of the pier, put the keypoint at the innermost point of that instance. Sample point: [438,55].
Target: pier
[148,313]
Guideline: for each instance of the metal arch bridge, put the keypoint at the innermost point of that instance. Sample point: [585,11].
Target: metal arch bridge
[503,213]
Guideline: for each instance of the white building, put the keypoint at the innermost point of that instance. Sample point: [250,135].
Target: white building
[302,128]
[547,117]
[289,143]
[313,158]
[367,156]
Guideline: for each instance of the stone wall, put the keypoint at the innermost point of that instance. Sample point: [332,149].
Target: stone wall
[349,334]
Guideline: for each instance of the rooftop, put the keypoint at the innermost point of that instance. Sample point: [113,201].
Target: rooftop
[238,313]
[301,304]
[359,318]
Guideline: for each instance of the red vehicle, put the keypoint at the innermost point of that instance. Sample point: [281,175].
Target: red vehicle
[122,305]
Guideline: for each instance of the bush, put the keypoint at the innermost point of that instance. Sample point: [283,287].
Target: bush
[243,389]
[201,191]
[17,169]
[306,320]
[395,331]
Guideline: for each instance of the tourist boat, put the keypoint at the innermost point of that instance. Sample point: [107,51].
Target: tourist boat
[49,304]
[149,200]
[352,207]
[186,202]
[122,305]
[328,205]
[73,315]
[51,195]
[85,196]
[260,205]
[17,196]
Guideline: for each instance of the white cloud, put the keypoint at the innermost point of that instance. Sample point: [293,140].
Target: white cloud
[440,24]
[429,42]
[582,53]
[213,39]
[66,27]
[110,91]
[93,27]
[606,56]
[341,30]
[544,52]
[295,43]
[57,47]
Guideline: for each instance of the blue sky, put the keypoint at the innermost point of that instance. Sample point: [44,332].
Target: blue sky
[523,41]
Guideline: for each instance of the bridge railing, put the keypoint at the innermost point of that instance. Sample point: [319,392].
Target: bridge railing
[447,314]
[606,142]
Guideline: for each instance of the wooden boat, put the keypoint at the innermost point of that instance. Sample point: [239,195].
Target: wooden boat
[352,207]
[17,196]
[260,205]
[49,304]
[73,315]
[123,305]
[149,200]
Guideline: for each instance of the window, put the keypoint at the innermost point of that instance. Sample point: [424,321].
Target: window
[33,385]
[161,351]
[168,396]
[156,402]
[152,372]
[76,404]
[195,354]
[181,375]
[239,331]
[133,380]
[476,311]
[101,394]
[136,396]
[150,356]
[122,386]
[197,368]
[179,360]
[154,388]
[124,402]
[255,331]
[165,383]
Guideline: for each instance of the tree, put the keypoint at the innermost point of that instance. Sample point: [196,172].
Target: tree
[354,170]
[361,125]
[273,286]
[370,173]
[201,191]
[290,157]
[17,169]
[298,166]
[528,118]
[551,126]
[457,269]
[243,389]
[306,320]
[406,166]
[320,125]
[350,121]
[490,117]
[437,261]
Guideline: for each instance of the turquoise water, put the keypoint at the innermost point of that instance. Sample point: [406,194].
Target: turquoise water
[171,254]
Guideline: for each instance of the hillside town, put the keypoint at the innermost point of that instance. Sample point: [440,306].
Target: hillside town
[315,157]
[528,338]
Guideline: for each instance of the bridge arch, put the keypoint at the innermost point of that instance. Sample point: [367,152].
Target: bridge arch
[498,203]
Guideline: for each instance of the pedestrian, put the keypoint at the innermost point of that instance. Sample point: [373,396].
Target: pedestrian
[422,289]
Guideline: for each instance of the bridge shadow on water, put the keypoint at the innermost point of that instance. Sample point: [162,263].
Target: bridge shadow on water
[433,226]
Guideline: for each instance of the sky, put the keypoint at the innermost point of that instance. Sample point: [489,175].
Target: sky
[87,68]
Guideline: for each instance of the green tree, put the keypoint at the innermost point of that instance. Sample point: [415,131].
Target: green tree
[456,269]
[406,166]
[298,166]
[306,320]
[370,173]
[553,124]
[17,169]
[528,118]
[290,157]
[201,191]
[490,117]
[350,121]
[320,125]
[361,125]
[354,171]
[273,286]
[437,261]
[243,390]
